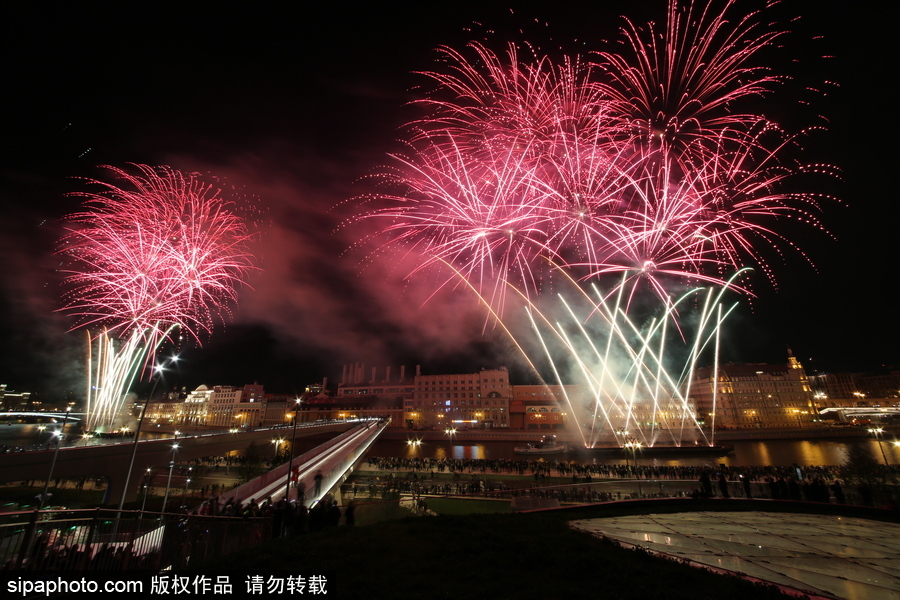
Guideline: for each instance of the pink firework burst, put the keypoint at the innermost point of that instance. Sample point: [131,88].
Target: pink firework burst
[484,217]
[159,250]
[634,164]
[490,102]
[678,85]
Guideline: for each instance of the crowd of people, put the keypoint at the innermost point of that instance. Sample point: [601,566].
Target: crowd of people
[510,477]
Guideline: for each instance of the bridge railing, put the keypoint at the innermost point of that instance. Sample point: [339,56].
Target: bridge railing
[97,539]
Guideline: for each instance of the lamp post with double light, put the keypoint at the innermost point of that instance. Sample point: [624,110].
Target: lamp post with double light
[877,431]
[633,445]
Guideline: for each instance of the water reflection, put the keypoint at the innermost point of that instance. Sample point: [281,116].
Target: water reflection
[763,452]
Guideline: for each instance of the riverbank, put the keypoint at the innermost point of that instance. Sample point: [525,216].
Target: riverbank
[573,438]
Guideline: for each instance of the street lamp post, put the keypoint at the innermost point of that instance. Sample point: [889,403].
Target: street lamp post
[877,431]
[287,478]
[184,493]
[169,480]
[148,479]
[53,462]
[137,434]
[633,445]
[450,433]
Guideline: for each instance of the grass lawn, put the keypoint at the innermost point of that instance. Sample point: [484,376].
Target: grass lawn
[466,506]
[516,556]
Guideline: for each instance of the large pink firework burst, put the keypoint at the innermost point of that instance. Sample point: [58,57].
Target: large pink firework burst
[490,102]
[484,218]
[160,249]
[678,86]
[635,164]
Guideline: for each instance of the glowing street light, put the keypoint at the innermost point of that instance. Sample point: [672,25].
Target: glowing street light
[169,480]
[877,431]
[633,445]
[184,493]
[287,478]
[450,431]
[59,438]
[160,369]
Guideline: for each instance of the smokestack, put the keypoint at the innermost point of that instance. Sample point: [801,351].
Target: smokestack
[387,375]
[359,373]
[344,374]
[324,384]
[402,372]
[373,376]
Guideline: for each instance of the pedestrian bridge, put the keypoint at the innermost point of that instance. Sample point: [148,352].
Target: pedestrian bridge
[312,475]
[114,461]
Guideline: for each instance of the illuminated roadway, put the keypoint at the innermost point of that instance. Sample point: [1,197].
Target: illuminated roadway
[111,460]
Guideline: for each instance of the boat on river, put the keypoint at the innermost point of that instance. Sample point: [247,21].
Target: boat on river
[547,445]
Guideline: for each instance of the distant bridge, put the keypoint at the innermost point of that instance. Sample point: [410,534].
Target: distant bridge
[849,412]
[73,416]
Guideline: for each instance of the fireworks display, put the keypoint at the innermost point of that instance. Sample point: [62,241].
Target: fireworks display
[633,162]
[647,165]
[633,388]
[163,251]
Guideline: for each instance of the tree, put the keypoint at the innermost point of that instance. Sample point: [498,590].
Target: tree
[251,463]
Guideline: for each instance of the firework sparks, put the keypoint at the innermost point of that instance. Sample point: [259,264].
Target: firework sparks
[162,252]
[644,165]
[627,383]
[675,87]
[632,162]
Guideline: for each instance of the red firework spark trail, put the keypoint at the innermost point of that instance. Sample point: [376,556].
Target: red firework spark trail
[498,102]
[676,86]
[484,216]
[632,164]
[164,249]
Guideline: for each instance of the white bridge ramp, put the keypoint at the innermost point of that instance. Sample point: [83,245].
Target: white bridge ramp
[334,459]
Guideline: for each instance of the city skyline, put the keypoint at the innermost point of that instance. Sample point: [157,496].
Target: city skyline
[296,114]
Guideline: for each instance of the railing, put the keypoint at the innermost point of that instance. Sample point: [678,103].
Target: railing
[95,539]
[593,491]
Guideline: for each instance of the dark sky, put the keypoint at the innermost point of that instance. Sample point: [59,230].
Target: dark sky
[293,107]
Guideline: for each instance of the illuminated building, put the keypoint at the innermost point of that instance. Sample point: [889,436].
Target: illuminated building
[479,399]
[754,396]
[542,406]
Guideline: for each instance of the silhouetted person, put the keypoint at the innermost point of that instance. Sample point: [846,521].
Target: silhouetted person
[706,483]
[838,492]
[334,514]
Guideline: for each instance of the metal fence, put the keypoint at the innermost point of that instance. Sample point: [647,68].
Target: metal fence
[98,539]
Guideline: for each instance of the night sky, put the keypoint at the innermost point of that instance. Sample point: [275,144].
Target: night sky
[294,108]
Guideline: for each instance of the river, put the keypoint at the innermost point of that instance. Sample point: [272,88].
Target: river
[745,453]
